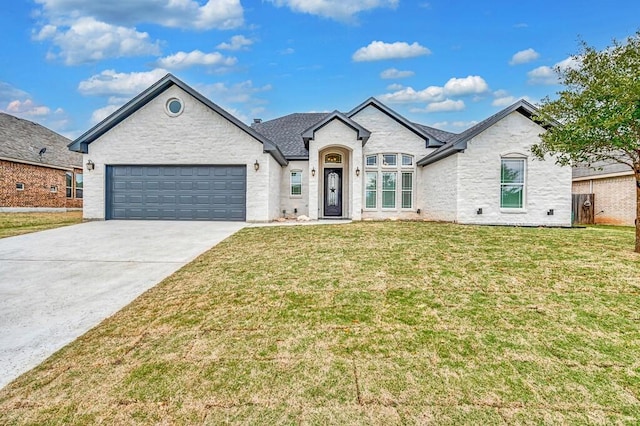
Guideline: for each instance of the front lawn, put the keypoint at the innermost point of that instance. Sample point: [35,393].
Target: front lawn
[12,224]
[382,322]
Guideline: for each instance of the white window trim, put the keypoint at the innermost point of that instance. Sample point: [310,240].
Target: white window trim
[291,194]
[515,210]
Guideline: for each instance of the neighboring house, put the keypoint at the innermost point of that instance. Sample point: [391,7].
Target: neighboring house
[37,170]
[614,189]
[170,153]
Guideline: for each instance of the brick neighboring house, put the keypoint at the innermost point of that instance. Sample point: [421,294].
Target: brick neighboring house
[614,190]
[37,170]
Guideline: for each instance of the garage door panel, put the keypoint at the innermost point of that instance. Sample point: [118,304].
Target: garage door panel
[176,192]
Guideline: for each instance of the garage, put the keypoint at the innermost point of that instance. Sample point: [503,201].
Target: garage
[176,192]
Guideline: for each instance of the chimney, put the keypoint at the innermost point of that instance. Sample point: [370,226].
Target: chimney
[257,120]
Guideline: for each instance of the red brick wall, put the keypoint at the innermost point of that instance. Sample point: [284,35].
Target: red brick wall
[37,186]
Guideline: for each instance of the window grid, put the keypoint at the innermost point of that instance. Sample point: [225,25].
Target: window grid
[407,190]
[371,190]
[389,190]
[512,181]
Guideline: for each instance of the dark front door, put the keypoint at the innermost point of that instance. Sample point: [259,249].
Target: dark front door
[333,192]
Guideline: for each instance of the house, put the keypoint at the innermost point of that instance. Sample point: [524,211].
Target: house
[171,153]
[614,189]
[37,171]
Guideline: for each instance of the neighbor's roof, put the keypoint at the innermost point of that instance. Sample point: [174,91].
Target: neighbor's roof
[458,143]
[23,140]
[81,144]
[601,168]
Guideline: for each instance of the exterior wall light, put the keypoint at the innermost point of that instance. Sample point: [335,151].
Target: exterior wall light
[313,171]
[90,165]
[256,166]
[357,171]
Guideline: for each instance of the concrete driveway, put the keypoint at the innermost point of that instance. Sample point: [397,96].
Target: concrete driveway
[55,285]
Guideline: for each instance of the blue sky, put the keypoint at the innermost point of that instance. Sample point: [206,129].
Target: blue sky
[69,63]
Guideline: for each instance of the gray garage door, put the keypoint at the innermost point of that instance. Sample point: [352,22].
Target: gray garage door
[176,192]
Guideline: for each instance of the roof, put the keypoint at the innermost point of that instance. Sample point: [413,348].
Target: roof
[23,141]
[423,131]
[458,143]
[82,143]
[287,131]
[600,168]
[363,134]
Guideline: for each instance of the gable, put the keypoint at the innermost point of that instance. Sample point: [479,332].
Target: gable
[143,99]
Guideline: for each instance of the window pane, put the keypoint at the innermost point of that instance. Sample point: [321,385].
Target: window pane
[407,181]
[511,196]
[389,181]
[296,183]
[372,181]
[371,199]
[69,181]
[407,160]
[407,190]
[372,160]
[389,160]
[512,171]
[388,199]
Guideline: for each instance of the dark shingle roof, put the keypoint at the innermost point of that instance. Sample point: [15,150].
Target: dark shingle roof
[286,132]
[22,140]
[442,135]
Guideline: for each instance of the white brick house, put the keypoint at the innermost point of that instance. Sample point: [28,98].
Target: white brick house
[170,153]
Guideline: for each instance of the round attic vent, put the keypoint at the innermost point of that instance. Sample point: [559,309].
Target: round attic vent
[174,107]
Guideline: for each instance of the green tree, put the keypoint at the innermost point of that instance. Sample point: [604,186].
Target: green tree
[598,111]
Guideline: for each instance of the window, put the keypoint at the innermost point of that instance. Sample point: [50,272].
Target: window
[333,158]
[407,190]
[296,182]
[19,186]
[372,160]
[389,160]
[69,184]
[382,189]
[74,185]
[371,190]
[78,185]
[174,107]
[512,183]
[389,190]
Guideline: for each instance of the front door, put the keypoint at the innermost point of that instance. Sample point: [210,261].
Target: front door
[333,192]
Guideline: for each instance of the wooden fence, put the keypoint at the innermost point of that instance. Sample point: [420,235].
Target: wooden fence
[583,209]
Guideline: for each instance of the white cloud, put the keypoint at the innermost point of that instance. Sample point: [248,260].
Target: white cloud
[237,42]
[378,50]
[186,14]
[102,113]
[111,83]
[395,73]
[27,108]
[287,51]
[88,40]
[446,106]
[183,60]
[454,126]
[469,85]
[395,87]
[236,93]
[547,75]
[503,101]
[410,95]
[339,10]
[524,56]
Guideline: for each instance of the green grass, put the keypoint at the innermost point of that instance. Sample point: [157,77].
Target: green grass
[365,323]
[12,224]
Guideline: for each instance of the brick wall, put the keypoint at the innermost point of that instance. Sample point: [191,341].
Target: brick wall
[37,182]
[615,199]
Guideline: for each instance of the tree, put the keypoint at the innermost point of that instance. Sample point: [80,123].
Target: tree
[597,114]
